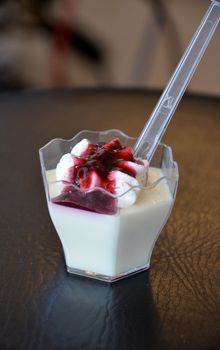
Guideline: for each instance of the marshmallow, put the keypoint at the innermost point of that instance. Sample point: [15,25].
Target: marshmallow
[127,199]
[80,148]
[119,176]
[124,190]
[62,169]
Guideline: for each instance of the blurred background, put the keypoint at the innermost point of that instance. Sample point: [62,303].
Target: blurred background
[101,43]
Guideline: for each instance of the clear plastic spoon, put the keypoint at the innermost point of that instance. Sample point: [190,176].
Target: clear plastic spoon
[170,98]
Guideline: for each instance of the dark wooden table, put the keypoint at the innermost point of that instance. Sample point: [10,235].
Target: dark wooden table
[174,305]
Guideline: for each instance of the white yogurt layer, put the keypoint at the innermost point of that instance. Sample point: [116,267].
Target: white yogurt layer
[112,244]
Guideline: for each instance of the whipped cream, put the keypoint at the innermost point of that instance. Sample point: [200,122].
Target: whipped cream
[123,177]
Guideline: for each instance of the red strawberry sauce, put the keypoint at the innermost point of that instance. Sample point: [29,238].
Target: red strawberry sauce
[96,163]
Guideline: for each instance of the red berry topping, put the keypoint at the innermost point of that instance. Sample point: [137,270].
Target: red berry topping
[91,170]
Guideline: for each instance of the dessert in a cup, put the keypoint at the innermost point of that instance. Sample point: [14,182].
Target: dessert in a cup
[108,206]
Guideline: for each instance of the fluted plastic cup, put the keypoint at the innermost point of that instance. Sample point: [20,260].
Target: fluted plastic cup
[102,241]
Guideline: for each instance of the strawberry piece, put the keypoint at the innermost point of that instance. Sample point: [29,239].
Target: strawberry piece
[91,149]
[128,168]
[86,178]
[113,145]
[126,154]
[93,179]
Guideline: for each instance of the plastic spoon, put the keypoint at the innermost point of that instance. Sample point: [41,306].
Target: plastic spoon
[170,98]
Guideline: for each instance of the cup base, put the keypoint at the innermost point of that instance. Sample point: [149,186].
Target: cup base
[106,278]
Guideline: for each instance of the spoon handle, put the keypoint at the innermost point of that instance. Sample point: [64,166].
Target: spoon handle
[172,94]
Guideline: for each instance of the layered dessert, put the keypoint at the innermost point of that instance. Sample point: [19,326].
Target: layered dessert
[108,208]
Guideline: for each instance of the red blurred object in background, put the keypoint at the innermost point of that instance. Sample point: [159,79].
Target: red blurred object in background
[61,43]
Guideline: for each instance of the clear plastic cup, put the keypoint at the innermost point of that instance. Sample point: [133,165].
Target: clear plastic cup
[100,240]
